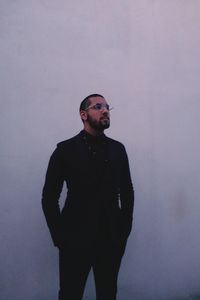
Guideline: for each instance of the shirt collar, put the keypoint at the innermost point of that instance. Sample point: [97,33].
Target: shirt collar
[91,138]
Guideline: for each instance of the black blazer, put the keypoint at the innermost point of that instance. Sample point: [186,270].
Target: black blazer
[90,197]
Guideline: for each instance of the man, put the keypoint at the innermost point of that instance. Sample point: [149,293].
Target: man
[92,229]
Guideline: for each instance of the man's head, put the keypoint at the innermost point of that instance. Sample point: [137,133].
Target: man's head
[94,112]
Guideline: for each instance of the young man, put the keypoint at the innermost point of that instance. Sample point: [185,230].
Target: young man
[92,229]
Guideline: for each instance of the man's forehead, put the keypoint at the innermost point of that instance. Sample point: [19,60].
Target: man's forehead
[94,100]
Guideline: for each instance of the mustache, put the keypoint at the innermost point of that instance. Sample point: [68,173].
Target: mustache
[105,117]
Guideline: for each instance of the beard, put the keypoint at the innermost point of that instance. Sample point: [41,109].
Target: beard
[102,124]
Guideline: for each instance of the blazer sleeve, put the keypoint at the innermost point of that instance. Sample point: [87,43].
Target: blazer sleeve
[50,195]
[126,194]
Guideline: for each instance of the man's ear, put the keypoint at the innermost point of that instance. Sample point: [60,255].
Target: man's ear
[83,115]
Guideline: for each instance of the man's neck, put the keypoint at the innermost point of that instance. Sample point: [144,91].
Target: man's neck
[93,132]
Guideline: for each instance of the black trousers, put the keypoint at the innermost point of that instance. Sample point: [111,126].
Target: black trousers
[75,264]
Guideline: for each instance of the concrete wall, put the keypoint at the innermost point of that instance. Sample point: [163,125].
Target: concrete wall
[144,57]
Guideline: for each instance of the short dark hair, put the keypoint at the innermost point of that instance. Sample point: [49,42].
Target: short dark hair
[86,102]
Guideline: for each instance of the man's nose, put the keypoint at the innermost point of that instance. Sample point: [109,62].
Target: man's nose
[104,108]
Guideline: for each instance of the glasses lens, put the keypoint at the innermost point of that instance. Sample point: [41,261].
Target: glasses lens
[98,106]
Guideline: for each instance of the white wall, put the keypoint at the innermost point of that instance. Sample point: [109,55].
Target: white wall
[144,57]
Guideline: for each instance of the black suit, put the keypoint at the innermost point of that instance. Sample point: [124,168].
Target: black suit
[99,200]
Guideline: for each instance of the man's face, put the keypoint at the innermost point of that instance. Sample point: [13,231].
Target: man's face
[98,119]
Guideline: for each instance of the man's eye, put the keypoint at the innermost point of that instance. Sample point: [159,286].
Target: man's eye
[98,106]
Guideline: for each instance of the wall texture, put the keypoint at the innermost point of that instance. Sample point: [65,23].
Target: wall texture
[144,57]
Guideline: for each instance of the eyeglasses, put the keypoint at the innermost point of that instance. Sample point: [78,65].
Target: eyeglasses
[100,106]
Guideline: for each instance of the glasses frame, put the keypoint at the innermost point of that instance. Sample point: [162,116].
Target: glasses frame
[102,106]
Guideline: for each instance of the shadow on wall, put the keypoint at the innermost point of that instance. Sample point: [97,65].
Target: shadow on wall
[129,295]
[192,297]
